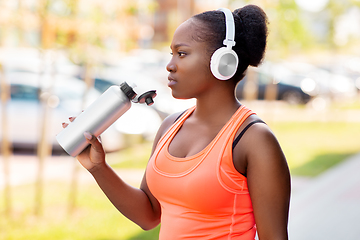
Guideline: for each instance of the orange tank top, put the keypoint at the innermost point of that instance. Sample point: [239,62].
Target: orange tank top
[202,196]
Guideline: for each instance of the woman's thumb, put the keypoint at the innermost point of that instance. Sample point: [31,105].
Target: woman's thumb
[88,136]
[93,141]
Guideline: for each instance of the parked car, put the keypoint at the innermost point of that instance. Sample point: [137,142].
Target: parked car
[37,61]
[25,111]
[316,81]
[289,93]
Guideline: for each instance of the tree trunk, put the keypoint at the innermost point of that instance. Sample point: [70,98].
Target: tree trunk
[44,146]
[75,176]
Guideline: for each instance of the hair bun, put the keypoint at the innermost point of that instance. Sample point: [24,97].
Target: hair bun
[252,31]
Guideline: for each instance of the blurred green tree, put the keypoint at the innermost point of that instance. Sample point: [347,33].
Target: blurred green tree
[294,30]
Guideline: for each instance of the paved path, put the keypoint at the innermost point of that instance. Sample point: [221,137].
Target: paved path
[325,207]
[328,207]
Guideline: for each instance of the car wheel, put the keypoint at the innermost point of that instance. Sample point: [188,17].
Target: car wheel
[292,97]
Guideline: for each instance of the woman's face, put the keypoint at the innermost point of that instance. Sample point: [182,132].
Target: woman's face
[189,67]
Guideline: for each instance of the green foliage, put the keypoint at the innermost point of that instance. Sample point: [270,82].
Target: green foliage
[288,30]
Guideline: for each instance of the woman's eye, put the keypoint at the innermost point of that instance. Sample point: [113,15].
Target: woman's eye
[181,54]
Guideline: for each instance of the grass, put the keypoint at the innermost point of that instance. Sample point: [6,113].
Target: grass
[134,157]
[320,164]
[313,147]
[95,218]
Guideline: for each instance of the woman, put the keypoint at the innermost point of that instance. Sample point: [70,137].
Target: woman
[216,171]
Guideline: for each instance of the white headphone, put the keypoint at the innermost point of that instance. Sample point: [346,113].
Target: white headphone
[224,61]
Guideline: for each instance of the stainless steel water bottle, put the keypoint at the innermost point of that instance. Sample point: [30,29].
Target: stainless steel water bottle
[111,105]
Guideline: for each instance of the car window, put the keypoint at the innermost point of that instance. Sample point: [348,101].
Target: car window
[23,92]
[66,93]
[102,85]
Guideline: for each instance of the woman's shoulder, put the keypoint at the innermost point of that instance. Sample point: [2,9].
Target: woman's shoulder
[168,122]
[257,132]
[262,146]
[256,137]
[172,118]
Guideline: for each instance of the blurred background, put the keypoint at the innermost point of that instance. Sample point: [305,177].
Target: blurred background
[58,56]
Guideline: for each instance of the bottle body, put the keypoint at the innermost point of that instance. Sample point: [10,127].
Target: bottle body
[111,105]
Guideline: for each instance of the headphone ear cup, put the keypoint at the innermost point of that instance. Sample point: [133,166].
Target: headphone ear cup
[223,63]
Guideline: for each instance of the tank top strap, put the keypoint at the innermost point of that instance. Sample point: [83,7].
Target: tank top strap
[184,115]
[229,177]
[173,129]
[180,120]
[240,116]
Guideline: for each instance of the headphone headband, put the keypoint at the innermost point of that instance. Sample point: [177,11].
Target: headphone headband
[230,28]
[224,61]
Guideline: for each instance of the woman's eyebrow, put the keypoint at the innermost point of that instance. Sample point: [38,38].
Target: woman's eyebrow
[180,45]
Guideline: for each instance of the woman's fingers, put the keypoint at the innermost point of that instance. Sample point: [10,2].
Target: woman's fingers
[95,143]
[71,119]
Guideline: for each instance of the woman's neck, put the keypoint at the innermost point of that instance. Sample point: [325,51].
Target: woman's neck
[216,109]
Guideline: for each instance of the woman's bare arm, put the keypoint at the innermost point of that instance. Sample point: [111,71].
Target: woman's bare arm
[268,182]
[138,205]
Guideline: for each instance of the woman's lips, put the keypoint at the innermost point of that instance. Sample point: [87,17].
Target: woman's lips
[171,82]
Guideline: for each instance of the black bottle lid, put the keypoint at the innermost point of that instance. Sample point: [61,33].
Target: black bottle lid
[128,91]
[147,97]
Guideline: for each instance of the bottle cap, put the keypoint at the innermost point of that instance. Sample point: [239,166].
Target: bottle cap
[128,91]
[147,97]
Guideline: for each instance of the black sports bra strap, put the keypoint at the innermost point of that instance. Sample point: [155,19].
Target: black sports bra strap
[180,115]
[237,139]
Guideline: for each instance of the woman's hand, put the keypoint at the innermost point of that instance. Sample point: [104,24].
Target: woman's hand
[138,205]
[93,156]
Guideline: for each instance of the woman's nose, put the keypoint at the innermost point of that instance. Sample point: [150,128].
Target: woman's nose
[171,67]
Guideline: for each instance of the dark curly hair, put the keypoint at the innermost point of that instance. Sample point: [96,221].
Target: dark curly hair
[250,34]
